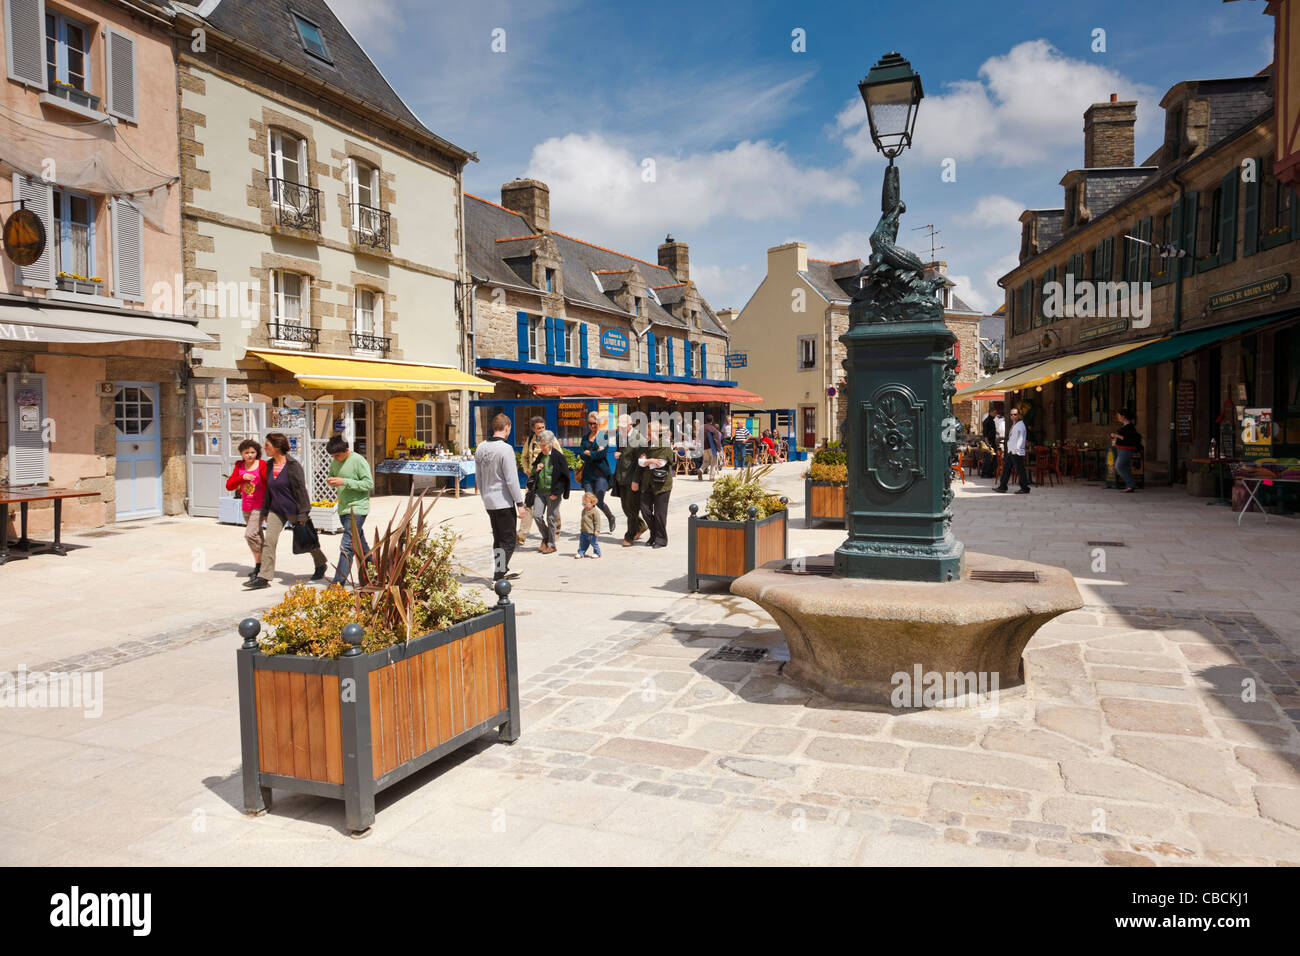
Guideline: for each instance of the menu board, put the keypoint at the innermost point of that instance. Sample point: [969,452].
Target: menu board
[401,422]
[570,414]
[1186,411]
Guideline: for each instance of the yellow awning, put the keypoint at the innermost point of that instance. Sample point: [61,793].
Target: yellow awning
[994,382]
[337,373]
[1052,369]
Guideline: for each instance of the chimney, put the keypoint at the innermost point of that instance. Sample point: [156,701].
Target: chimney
[727,316]
[531,199]
[791,257]
[676,258]
[1108,133]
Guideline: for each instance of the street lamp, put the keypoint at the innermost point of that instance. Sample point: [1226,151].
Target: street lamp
[891,91]
[899,432]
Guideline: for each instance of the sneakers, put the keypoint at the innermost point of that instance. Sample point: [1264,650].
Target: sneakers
[999,489]
[257,569]
[579,557]
[256,584]
[612,522]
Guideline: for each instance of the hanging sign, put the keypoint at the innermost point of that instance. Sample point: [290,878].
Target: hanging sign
[24,237]
[571,414]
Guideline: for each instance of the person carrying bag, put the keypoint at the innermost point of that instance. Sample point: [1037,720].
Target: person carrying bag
[287,504]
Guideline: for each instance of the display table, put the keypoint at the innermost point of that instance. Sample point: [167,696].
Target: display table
[23,497]
[454,468]
[1218,464]
[1252,486]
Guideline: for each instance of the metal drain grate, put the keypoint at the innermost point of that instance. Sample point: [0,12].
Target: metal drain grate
[822,565]
[99,534]
[1005,577]
[1106,544]
[748,655]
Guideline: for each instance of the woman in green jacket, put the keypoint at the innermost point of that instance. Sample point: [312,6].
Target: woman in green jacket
[655,483]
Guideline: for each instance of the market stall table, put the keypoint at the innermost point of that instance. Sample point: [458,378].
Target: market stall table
[1218,477]
[455,468]
[1252,486]
[23,497]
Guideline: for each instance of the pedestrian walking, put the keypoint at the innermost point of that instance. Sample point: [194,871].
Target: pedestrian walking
[655,483]
[740,445]
[497,478]
[527,453]
[286,504]
[1015,457]
[589,535]
[350,474]
[712,449]
[550,482]
[596,476]
[249,476]
[1127,443]
[626,470]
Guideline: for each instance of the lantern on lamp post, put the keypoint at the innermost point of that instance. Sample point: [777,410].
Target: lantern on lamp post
[899,432]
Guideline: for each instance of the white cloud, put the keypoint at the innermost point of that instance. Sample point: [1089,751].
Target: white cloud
[1026,108]
[847,245]
[967,292]
[993,212]
[371,22]
[724,287]
[598,189]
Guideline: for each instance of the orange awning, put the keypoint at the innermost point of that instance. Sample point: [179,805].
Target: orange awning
[709,393]
[565,386]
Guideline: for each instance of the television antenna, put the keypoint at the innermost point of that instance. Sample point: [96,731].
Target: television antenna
[931,236]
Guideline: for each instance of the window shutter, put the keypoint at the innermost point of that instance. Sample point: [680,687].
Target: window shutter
[379,315]
[1190,207]
[1228,218]
[25,41]
[29,453]
[704,361]
[521,326]
[550,340]
[120,101]
[39,198]
[671,369]
[583,359]
[1295,213]
[1132,253]
[1250,212]
[686,356]
[128,251]
[1172,264]
[1144,254]
[653,353]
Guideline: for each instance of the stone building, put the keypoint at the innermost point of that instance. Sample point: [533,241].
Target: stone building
[789,334]
[92,356]
[1184,331]
[323,230]
[564,325]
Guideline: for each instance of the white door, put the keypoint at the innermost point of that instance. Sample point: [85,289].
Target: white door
[138,484]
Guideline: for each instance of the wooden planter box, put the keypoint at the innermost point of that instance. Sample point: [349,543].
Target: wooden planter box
[350,727]
[823,501]
[724,550]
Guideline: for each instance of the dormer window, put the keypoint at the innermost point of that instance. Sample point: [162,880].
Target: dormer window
[313,41]
[550,280]
[636,304]
[1174,132]
[1071,205]
[654,296]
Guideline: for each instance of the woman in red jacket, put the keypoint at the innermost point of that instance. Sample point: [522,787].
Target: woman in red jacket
[249,476]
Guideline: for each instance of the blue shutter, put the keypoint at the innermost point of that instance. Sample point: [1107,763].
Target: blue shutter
[582,338]
[550,340]
[1250,212]
[653,363]
[704,361]
[521,318]
[561,343]
[671,369]
[686,356]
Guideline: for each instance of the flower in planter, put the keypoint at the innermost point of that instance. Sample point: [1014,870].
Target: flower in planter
[733,495]
[835,474]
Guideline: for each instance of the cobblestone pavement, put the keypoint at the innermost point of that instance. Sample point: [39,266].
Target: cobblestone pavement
[1157,725]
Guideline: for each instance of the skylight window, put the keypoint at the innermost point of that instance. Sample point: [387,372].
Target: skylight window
[313,41]
[654,296]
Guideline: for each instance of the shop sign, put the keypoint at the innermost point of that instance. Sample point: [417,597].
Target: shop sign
[28,401]
[1107,328]
[571,414]
[614,343]
[737,359]
[399,422]
[1274,285]
[1257,433]
[1186,410]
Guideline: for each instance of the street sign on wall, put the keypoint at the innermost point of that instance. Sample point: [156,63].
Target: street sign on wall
[613,343]
[737,359]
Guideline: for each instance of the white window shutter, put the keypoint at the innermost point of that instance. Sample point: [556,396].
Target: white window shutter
[379,315]
[353,185]
[128,251]
[25,41]
[121,76]
[39,198]
[29,453]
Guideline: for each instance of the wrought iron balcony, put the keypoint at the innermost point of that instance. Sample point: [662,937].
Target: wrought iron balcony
[296,206]
[365,342]
[371,227]
[291,332]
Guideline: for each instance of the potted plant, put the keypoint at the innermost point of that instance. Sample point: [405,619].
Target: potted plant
[75,94]
[744,526]
[72,282]
[352,691]
[824,484]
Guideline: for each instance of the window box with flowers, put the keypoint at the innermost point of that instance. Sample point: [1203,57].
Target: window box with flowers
[74,94]
[88,285]
[1275,237]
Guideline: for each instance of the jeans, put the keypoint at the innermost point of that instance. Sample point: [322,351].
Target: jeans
[631,501]
[598,486]
[503,540]
[587,539]
[345,546]
[1017,464]
[546,513]
[1124,465]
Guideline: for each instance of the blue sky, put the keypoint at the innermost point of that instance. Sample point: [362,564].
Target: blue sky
[754,144]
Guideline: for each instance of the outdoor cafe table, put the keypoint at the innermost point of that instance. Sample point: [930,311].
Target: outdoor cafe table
[455,468]
[1219,463]
[10,495]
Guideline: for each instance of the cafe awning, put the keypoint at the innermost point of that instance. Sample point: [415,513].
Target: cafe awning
[594,386]
[1053,369]
[1165,349]
[336,372]
[27,320]
[992,384]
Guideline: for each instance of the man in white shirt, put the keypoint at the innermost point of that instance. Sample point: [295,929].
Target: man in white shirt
[1015,457]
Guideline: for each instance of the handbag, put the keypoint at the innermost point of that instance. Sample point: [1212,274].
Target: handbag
[659,475]
[305,537]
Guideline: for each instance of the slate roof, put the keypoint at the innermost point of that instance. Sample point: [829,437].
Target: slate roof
[490,260]
[834,280]
[268,26]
